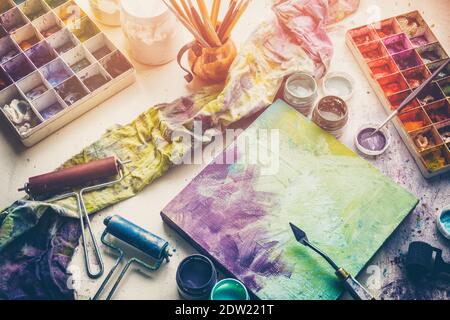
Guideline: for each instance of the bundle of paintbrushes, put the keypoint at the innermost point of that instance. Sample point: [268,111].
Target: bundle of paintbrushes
[212,52]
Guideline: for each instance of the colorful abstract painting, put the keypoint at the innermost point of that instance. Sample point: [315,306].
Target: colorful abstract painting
[240,216]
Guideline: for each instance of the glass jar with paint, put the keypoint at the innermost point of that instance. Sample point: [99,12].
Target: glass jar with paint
[370,144]
[331,114]
[152,31]
[339,84]
[300,92]
[106,11]
[196,278]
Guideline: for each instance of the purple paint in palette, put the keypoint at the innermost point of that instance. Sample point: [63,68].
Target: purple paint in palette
[51,111]
[56,72]
[18,67]
[8,49]
[397,43]
[41,54]
[13,20]
[5,80]
[419,41]
[71,91]
[407,59]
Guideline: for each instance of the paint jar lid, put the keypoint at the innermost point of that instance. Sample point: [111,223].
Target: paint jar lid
[443,222]
[377,146]
[196,277]
[339,84]
[230,289]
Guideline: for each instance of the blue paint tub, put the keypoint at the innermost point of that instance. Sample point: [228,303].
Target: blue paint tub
[443,222]
[196,277]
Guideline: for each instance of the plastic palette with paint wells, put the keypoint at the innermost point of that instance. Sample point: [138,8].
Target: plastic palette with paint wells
[55,65]
[397,55]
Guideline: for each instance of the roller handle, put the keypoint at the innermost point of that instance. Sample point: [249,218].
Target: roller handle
[80,175]
[354,288]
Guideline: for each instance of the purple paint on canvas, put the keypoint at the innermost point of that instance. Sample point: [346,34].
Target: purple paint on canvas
[226,223]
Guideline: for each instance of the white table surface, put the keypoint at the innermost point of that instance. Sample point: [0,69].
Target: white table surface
[165,83]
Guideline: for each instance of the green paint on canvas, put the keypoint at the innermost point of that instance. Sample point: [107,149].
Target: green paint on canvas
[346,206]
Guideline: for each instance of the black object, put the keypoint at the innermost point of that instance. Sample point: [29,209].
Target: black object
[424,260]
[356,290]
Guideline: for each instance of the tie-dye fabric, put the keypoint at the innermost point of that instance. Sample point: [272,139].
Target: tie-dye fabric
[37,240]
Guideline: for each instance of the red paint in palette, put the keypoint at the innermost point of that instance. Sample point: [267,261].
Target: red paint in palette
[393,84]
[363,35]
[373,50]
[386,28]
[396,99]
[416,76]
[382,67]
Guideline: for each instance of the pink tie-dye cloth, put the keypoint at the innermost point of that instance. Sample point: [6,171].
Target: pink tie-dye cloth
[306,21]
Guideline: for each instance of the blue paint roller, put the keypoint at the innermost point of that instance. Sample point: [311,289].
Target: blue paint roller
[150,244]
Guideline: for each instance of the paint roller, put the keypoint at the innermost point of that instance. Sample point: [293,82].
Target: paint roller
[137,237]
[49,187]
[54,182]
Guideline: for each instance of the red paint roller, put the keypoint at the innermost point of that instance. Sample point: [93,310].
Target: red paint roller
[92,174]
[76,176]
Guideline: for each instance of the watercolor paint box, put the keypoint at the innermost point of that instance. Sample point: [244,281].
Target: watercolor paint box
[397,55]
[55,65]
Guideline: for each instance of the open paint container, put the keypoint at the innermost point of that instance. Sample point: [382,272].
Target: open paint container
[443,222]
[339,84]
[300,92]
[375,145]
[331,114]
[196,277]
[230,289]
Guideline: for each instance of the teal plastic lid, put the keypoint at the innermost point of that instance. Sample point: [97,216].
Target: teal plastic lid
[230,289]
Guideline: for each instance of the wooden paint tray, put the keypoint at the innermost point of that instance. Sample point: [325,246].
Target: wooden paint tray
[397,55]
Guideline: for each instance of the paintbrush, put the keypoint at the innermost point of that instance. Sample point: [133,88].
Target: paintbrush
[356,290]
[228,16]
[215,12]
[188,25]
[237,15]
[411,97]
[210,29]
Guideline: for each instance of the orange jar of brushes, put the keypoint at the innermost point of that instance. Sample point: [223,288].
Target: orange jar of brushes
[212,64]
[211,54]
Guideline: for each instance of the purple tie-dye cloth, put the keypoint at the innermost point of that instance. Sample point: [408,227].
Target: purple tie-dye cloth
[37,242]
[36,246]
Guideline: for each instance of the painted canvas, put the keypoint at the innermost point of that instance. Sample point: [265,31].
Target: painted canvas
[239,213]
